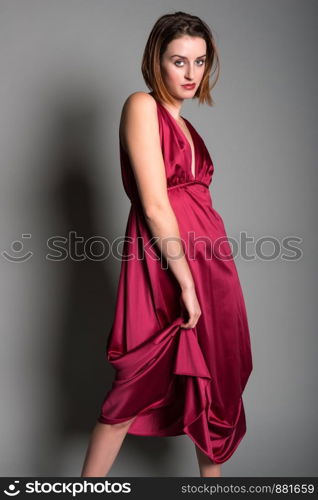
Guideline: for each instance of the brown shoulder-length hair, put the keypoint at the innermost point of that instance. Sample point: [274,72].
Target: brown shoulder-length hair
[169,27]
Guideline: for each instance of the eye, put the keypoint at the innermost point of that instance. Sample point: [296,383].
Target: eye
[200,61]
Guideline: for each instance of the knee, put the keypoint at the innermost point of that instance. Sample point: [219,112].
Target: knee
[123,425]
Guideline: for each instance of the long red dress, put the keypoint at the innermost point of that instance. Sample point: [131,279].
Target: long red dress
[177,380]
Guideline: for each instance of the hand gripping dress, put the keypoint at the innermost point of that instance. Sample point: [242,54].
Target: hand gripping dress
[176,380]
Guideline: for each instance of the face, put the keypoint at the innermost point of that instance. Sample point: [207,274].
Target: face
[182,63]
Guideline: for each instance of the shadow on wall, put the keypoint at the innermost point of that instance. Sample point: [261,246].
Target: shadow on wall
[81,373]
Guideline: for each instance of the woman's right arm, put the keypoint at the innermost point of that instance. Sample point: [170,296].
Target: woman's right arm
[139,132]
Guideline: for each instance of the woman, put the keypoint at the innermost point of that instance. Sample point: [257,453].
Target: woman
[180,340]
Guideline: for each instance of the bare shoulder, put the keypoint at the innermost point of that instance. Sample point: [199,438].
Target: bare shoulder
[138,106]
[139,103]
[140,100]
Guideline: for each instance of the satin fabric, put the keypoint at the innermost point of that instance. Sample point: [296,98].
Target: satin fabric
[175,380]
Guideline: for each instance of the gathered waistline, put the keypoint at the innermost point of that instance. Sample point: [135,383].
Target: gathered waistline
[136,202]
[188,183]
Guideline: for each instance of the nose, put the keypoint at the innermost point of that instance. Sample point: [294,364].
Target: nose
[190,72]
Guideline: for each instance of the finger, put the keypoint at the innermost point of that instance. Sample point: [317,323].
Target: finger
[189,324]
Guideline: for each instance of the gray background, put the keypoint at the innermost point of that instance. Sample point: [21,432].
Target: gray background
[66,69]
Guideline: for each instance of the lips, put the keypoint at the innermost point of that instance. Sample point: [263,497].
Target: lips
[189,86]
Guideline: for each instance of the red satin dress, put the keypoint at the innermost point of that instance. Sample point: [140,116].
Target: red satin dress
[176,380]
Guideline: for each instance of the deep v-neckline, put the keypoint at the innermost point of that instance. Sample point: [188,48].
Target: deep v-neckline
[194,175]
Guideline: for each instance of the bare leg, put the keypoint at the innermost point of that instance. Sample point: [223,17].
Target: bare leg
[104,445]
[206,466]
